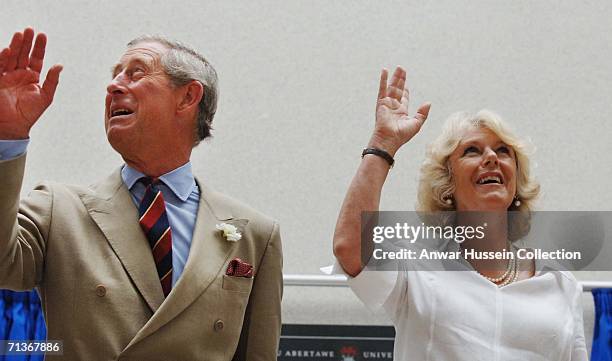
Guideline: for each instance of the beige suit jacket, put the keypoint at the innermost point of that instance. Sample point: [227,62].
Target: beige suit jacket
[84,251]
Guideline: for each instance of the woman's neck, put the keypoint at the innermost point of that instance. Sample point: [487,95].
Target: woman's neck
[494,226]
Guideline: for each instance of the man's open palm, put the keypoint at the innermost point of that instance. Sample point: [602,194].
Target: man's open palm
[22,98]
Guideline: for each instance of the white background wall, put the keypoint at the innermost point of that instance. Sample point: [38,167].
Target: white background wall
[298,83]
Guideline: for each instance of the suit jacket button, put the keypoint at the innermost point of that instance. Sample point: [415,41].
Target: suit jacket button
[100,290]
[218,325]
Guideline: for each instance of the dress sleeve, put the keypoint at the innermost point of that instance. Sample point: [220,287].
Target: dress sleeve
[579,349]
[377,289]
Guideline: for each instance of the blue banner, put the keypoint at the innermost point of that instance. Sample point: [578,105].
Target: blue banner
[22,319]
[602,335]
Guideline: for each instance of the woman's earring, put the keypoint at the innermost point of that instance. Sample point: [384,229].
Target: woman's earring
[517,202]
[449,201]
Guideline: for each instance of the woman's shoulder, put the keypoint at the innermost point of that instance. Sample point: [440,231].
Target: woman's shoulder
[569,276]
[571,282]
[565,280]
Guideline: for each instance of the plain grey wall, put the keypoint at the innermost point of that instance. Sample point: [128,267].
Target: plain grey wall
[298,83]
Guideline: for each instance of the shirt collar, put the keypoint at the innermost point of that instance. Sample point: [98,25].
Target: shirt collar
[180,180]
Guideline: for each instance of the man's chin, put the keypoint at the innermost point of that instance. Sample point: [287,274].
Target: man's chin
[118,139]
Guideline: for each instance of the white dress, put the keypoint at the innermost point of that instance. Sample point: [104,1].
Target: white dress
[459,315]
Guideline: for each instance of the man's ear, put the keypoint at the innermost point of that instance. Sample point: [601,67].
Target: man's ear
[190,96]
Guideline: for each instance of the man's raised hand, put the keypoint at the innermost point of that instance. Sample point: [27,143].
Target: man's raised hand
[22,98]
[394,126]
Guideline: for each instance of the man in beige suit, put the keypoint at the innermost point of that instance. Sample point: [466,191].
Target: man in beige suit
[88,251]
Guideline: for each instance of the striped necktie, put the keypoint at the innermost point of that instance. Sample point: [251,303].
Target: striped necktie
[154,223]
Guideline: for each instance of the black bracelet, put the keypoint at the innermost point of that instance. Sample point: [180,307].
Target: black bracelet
[381,153]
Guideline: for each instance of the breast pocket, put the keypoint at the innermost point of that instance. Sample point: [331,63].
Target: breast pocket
[237,284]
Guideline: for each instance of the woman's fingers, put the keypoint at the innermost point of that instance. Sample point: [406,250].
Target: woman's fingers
[26,46]
[395,93]
[386,102]
[395,105]
[15,51]
[390,103]
[396,88]
[382,86]
[406,98]
[402,79]
[397,77]
[423,112]
[38,53]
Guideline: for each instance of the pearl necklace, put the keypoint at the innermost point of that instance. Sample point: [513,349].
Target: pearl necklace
[511,266]
[509,276]
[513,276]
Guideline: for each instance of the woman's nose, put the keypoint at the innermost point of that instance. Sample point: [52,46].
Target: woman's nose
[489,157]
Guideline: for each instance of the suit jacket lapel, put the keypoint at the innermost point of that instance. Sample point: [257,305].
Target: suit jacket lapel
[113,210]
[208,254]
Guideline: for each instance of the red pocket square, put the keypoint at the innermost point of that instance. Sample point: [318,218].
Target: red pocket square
[239,268]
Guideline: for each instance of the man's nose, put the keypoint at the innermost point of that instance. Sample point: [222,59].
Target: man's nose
[117,85]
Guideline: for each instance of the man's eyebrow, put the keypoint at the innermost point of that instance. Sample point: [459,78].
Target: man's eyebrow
[115,69]
[143,62]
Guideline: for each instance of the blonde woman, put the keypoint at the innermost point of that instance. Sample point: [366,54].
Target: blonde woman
[499,310]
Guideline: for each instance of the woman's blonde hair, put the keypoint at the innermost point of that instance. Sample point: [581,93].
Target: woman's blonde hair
[436,184]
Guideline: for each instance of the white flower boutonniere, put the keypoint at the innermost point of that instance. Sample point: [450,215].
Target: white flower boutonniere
[230,232]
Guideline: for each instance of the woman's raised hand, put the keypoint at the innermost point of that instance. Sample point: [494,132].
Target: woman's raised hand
[22,98]
[394,126]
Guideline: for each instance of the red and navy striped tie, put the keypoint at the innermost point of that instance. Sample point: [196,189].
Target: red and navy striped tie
[154,223]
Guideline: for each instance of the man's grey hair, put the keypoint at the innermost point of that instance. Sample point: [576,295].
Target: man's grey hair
[183,64]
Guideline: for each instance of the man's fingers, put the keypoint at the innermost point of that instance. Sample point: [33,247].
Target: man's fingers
[26,46]
[51,81]
[15,50]
[38,53]
[4,55]
[382,87]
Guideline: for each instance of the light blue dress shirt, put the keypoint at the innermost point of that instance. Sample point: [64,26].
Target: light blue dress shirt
[181,195]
